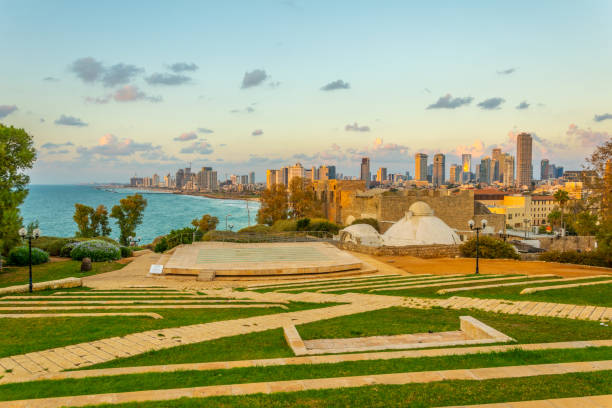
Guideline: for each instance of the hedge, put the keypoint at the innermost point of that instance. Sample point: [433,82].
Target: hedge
[20,256]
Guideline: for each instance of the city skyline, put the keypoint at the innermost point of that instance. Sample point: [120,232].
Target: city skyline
[148,98]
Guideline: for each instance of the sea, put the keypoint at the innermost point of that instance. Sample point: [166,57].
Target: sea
[53,207]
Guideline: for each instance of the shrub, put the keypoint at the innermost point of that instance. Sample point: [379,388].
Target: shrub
[96,250]
[52,245]
[20,256]
[371,221]
[126,252]
[66,249]
[284,226]
[488,247]
[592,258]
[256,229]
[303,224]
[161,245]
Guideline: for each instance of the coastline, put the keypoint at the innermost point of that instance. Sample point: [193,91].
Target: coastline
[163,190]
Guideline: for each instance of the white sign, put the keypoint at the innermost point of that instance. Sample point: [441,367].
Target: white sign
[156,269]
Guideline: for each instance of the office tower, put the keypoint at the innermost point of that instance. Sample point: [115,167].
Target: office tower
[497,173]
[314,174]
[323,173]
[455,174]
[244,179]
[180,178]
[297,170]
[429,172]
[552,171]
[439,169]
[307,174]
[477,174]
[331,172]
[485,170]
[214,181]
[284,176]
[544,169]
[420,167]
[381,174]
[155,180]
[252,177]
[508,170]
[466,162]
[271,176]
[167,180]
[559,172]
[365,171]
[524,167]
[234,179]
[187,174]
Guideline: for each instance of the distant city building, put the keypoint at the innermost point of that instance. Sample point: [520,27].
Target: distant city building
[466,163]
[297,170]
[507,166]
[420,167]
[484,174]
[381,175]
[544,169]
[429,173]
[365,171]
[271,176]
[497,172]
[439,170]
[252,177]
[524,166]
[180,178]
[455,174]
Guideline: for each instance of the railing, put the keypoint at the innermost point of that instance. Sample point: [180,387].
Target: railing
[248,237]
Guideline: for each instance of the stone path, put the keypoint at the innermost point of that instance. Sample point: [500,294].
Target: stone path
[156,306]
[573,285]
[592,401]
[319,281]
[442,291]
[421,377]
[322,359]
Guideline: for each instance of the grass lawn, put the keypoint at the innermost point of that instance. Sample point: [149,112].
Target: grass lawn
[399,320]
[185,379]
[33,334]
[435,394]
[17,275]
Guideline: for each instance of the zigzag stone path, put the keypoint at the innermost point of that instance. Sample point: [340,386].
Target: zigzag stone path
[592,401]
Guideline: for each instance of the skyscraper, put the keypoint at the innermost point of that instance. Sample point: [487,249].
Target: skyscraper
[381,174]
[466,161]
[365,171]
[439,169]
[524,167]
[485,170]
[507,170]
[455,174]
[497,172]
[252,177]
[420,167]
[544,169]
[180,176]
[271,177]
[296,170]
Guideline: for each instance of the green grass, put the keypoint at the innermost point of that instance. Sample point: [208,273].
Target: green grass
[399,320]
[434,394]
[18,275]
[33,334]
[185,379]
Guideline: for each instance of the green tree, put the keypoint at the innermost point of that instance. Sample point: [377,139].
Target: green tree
[562,197]
[273,205]
[17,154]
[129,213]
[585,223]
[206,223]
[99,222]
[301,199]
[82,217]
[554,217]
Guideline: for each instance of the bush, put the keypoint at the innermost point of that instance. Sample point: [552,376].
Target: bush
[303,224]
[54,245]
[284,226]
[592,258]
[324,225]
[488,247]
[96,250]
[371,221]
[161,245]
[20,256]
[126,252]
[256,229]
[66,249]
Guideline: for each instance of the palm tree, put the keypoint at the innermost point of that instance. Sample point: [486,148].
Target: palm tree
[562,197]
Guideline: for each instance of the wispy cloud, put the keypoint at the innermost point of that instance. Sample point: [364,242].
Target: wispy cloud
[201,147]
[184,137]
[257,132]
[205,130]
[50,79]
[6,110]
[56,145]
[111,145]
[70,121]
[91,70]
[602,117]
[522,105]
[183,67]
[88,69]
[120,74]
[335,85]
[131,93]
[253,78]
[507,71]
[356,128]
[448,102]
[248,109]
[491,103]
[167,79]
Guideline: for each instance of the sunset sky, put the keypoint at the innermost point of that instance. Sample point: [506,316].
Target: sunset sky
[113,88]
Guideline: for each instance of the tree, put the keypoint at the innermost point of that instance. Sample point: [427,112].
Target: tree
[301,198]
[599,181]
[17,154]
[82,217]
[562,197]
[206,223]
[129,214]
[273,205]
[554,217]
[99,222]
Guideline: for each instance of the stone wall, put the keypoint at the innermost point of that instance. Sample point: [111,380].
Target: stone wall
[419,251]
[571,243]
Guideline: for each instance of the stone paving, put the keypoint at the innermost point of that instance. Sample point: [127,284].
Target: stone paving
[46,315]
[523,283]
[464,281]
[593,401]
[420,377]
[571,285]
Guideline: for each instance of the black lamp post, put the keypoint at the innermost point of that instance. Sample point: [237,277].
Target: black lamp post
[473,227]
[24,234]
[133,240]
[526,221]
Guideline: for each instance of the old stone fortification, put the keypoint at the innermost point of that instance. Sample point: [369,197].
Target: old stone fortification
[344,202]
[570,243]
[419,251]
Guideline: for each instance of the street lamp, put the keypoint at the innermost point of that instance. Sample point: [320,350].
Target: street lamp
[473,227]
[526,221]
[228,215]
[24,234]
[133,240]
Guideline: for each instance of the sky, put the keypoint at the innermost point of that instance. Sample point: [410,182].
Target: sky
[116,88]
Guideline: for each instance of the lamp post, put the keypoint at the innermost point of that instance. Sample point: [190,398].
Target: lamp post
[133,240]
[526,221]
[24,234]
[226,217]
[473,227]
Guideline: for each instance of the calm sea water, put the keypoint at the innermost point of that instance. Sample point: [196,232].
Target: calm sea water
[53,207]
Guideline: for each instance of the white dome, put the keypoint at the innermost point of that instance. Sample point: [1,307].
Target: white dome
[420,208]
[362,234]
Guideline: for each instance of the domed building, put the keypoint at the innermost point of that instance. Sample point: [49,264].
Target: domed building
[361,234]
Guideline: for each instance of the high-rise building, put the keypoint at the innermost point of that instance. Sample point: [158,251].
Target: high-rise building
[466,162]
[439,169]
[381,174]
[544,169]
[485,170]
[365,171]
[314,174]
[524,166]
[155,180]
[559,172]
[496,164]
[455,174]
[180,178]
[297,170]
[252,177]
[508,170]
[331,172]
[420,167]
[168,180]
[283,176]
[430,172]
[271,176]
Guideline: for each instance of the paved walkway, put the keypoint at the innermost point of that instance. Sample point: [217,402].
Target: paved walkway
[593,401]
[314,384]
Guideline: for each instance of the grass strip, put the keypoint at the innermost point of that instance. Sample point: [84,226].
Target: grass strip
[53,270]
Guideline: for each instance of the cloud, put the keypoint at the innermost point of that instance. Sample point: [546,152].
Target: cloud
[257,132]
[586,137]
[198,147]
[491,103]
[167,79]
[110,145]
[337,84]
[253,78]
[63,151]
[184,137]
[100,100]
[50,79]
[248,109]
[56,145]
[602,117]
[70,121]
[131,93]
[120,74]
[448,102]
[183,66]
[205,131]
[6,110]
[522,105]
[88,69]
[507,71]
[476,149]
[356,128]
